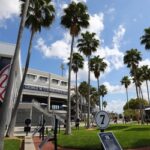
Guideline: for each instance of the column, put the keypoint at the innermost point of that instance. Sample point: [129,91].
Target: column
[49,102]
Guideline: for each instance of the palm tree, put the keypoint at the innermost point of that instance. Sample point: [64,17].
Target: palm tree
[75,17]
[83,90]
[94,96]
[145,39]
[40,14]
[97,65]
[102,92]
[139,80]
[132,58]
[5,106]
[126,82]
[62,69]
[104,104]
[77,63]
[146,77]
[87,45]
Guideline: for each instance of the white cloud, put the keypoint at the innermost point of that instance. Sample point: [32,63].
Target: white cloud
[59,49]
[8,9]
[115,105]
[77,1]
[113,56]
[144,62]
[96,24]
[118,36]
[114,88]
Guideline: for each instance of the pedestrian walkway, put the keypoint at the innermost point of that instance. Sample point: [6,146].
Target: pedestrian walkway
[28,143]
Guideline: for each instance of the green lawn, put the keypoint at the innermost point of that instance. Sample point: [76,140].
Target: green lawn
[129,136]
[12,144]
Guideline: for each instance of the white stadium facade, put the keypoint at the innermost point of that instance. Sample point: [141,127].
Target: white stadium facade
[44,93]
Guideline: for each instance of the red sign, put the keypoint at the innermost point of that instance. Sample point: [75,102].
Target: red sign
[3,81]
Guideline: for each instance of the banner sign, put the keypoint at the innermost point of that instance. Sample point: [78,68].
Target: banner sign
[4,73]
[43,89]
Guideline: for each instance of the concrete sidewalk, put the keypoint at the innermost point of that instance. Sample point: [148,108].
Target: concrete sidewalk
[28,143]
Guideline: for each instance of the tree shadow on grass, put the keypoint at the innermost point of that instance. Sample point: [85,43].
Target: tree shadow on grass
[137,129]
[140,143]
[116,127]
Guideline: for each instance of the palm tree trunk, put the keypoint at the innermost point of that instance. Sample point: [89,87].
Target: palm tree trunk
[147,91]
[136,86]
[89,105]
[141,105]
[81,99]
[77,100]
[10,130]
[127,97]
[11,78]
[68,119]
[140,91]
[102,103]
[99,99]
[137,93]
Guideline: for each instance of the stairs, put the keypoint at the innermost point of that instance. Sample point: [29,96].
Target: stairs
[45,112]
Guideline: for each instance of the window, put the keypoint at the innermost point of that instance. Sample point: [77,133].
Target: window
[63,83]
[55,107]
[54,81]
[4,61]
[43,79]
[31,77]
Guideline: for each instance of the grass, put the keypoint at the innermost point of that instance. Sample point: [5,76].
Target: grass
[12,144]
[129,136]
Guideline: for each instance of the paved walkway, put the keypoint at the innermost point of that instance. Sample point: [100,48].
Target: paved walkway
[28,143]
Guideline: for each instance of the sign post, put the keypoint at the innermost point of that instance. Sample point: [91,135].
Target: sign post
[102,120]
[108,140]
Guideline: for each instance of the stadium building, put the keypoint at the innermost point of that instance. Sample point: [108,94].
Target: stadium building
[43,93]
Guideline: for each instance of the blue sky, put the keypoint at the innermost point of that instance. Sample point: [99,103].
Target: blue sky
[119,24]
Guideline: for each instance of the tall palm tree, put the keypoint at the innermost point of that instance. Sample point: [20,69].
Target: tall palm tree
[145,39]
[83,90]
[87,44]
[139,79]
[146,77]
[104,104]
[75,17]
[6,102]
[102,92]
[77,63]
[126,82]
[62,69]
[40,14]
[132,58]
[97,65]
[94,98]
